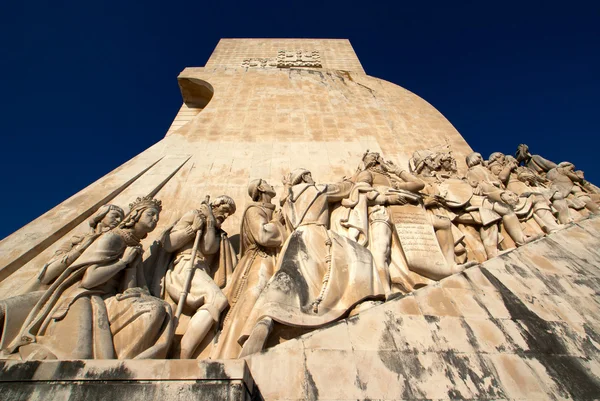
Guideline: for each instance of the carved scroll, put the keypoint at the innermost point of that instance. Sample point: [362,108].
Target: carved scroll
[417,238]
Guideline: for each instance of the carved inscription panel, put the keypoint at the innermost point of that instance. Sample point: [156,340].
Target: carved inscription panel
[417,237]
[286,59]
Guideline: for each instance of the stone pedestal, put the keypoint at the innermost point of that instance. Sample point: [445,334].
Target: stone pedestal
[130,380]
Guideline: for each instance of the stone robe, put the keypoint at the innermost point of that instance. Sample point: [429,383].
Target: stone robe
[320,275]
[260,240]
[170,262]
[71,321]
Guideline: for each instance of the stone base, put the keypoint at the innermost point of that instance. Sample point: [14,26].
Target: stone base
[525,325]
[130,380]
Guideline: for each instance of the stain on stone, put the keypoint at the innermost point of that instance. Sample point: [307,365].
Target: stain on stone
[367,88]
[216,370]
[313,72]
[69,369]
[592,340]
[518,269]
[470,334]
[311,392]
[501,348]
[289,274]
[359,383]
[486,384]
[589,282]
[405,365]
[121,372]
[19,370]
[566,371]
[114,391]
[354,319]
[432,319]
[387,342]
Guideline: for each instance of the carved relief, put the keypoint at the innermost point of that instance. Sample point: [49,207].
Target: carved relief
[99,307]
[328,250]
[286,59]
[259,63]
[307,290]
[298,58]
[199,261]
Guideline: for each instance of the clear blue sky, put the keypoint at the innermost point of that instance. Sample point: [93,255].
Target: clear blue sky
[88,85]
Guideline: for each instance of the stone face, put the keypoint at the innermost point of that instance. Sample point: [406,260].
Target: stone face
[387,260]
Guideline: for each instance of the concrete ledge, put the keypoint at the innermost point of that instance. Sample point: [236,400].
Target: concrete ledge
[129,380]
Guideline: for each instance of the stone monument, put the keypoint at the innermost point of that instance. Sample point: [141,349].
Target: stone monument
[307,231]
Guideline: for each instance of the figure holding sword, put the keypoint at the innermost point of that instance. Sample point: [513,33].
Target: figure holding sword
[203,259]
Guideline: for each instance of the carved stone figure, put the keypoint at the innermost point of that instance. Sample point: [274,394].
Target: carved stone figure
[384,243]
[532,201]
[99,306]
[213,264]
[106,218]
[19,306]
[320,275]
[261,236]
[496,198]
[354,218]
[446,195]
[535,162]
[571,186]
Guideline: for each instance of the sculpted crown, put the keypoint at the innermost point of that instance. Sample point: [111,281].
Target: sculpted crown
[144,202]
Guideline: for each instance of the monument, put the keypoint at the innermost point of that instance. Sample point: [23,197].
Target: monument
[307,231]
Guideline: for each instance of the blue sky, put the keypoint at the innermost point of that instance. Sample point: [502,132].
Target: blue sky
[88,85]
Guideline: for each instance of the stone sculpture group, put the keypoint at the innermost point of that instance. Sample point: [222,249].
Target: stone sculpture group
[329,251]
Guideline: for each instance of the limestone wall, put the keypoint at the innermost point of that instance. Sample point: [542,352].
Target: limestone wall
[522,326]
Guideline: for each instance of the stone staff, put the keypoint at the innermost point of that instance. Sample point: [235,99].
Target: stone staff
[190,276]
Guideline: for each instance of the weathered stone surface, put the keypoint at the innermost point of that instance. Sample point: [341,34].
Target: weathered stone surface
[502,341]
[339,300]
[126,380]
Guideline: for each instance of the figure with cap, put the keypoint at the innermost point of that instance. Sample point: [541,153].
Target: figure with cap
[534,199]
[320,275]
[99,306]
[207,273]
[572,186]
[261,236]
[495,203]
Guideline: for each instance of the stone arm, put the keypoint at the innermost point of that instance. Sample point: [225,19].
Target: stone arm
[572,175]
[96,275]
[55,268]
[182,233]
[481,182]
[210,241]
[504,174]
[383,200]
[339,191]
[544,164]
[63,258]
[266,233]
[134,276]
[407,181]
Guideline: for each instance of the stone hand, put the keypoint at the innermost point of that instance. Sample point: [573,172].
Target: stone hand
[388,166]
[398,199]
[198,222]
[286,179]
[278,216]
[131,253]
